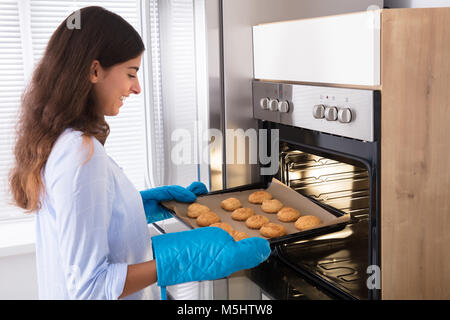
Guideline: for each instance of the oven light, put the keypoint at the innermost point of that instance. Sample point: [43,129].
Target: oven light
[334,235]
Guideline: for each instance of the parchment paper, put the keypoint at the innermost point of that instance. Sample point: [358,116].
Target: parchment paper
[289,197]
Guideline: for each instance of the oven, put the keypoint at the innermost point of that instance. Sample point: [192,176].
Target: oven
[328,150]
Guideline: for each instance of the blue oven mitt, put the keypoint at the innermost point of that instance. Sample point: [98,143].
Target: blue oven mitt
[151,198]
[204,254]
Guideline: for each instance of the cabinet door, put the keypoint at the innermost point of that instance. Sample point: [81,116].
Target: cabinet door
[415,154]
[340,49]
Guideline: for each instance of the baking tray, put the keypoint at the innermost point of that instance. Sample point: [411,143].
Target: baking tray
[332,219]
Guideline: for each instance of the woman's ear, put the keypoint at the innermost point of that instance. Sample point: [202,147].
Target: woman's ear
[94,71]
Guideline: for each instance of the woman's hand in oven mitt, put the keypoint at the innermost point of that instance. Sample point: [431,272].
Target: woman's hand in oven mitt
[152,197]
[204,254]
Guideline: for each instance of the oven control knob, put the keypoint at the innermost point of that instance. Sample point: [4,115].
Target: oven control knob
[273,105]
[283,106]
[319,111]
[345,115]
[331,113]
[264,103]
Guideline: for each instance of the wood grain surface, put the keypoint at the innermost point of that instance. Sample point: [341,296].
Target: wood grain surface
[415,154]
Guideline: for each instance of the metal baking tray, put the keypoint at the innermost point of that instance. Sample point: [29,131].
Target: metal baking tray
[332,219]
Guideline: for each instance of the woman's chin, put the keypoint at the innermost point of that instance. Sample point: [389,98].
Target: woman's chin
[113,111]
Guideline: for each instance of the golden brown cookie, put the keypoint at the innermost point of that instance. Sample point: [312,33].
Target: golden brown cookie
[256,221]
[272,230]
[241,214]
[307,222]
[207,218]
[223,225]
[196,209]
[230,204]
[288,214]
[259,196]
[239,235]
[271,206]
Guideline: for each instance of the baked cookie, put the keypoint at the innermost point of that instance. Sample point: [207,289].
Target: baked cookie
[242,214]
[223,225]
[288,214]
[207,218]
[271,206]
[307,222]
[230,204]
[196,209]
[272,230]
[239,235]
[256,221]
[258,197]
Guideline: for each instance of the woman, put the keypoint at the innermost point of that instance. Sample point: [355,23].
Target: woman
[92,236]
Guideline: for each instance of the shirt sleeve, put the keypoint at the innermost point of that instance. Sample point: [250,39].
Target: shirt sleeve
[82,193]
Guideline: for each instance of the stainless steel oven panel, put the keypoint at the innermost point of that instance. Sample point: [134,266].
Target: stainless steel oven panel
[302,99]
[265,91]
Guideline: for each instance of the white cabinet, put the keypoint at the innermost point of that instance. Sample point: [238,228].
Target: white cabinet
[340,49]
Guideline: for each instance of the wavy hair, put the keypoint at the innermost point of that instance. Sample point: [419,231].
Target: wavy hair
[60,94]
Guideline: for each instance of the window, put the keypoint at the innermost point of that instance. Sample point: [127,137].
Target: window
[184,88]
[12,79]
[172,78]
[26,27]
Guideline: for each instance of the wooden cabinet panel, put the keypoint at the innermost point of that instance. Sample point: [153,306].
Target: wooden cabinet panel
[415,154]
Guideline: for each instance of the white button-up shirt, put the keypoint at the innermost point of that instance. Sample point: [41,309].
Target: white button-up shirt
[91,225]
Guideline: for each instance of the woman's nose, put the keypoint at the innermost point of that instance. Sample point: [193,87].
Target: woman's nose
[136,88]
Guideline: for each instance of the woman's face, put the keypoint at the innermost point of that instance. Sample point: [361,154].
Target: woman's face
[113,85]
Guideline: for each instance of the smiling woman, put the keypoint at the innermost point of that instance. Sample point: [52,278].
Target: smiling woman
[90,222]
[75,208]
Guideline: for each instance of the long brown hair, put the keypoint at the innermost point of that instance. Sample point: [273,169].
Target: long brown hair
[60,95]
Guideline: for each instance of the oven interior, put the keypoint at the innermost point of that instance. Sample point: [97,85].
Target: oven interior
[341,185]
[338,260]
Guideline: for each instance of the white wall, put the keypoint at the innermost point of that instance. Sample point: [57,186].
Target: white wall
[416,3]
[18,279]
